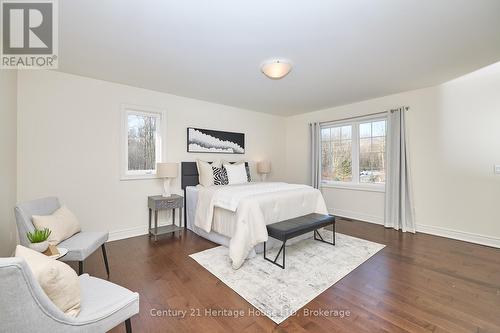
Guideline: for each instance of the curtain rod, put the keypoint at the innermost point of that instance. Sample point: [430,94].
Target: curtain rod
[406,108]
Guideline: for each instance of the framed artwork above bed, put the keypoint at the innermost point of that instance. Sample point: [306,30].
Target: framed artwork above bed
[210,141]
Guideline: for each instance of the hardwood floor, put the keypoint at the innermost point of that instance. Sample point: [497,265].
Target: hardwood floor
[417,283]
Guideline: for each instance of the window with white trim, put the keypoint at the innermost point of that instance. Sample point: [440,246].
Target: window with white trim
[142,138]
[353,152]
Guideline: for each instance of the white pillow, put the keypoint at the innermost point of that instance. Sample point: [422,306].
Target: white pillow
[249,176]
[205,172]
[236,173]
[62,224]
[57,279]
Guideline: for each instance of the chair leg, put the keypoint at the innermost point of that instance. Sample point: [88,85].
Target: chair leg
[128,326]
[80,267]
[104,255]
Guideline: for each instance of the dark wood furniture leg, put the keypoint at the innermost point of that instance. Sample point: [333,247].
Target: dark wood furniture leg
[105,256]
[128,326]
[80,267]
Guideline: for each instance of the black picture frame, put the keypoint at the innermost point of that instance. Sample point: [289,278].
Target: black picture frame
[201,140]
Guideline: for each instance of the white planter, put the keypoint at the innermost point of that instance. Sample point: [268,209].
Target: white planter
[39,247]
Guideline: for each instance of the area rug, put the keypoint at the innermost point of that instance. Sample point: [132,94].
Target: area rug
[311,268]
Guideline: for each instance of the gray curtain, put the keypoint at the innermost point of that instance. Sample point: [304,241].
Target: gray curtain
[315,158]
[399,210]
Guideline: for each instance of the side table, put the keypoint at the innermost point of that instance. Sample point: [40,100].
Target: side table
[157,203]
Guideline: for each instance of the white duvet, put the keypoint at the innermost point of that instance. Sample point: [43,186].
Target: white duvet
[255,205]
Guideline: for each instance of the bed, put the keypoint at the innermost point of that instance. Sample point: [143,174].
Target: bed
[236,216]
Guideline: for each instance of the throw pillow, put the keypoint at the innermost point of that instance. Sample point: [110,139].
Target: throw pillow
[247,167]
[57,279]
[62,223]
[220,176]
[236,173]
[205,172]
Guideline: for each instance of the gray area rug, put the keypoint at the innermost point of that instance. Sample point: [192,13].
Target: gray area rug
[311,268]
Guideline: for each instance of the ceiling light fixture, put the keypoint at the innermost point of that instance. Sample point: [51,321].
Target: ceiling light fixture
[276,69]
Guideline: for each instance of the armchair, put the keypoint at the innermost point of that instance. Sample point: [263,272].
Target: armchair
[79,246]
[26,308]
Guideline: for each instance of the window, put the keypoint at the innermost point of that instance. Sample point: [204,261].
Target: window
[336,153]
[142,132]
[353,153]
[372,152]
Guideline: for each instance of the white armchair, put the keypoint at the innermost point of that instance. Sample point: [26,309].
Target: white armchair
[79,246]
[24,306]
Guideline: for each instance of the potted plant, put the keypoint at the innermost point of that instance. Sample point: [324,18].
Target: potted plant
[38,239]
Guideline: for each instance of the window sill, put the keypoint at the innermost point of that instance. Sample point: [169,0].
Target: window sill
[355,187]
[138,177]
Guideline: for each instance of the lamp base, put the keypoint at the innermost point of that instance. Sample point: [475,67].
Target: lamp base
[166,188]
[263,177]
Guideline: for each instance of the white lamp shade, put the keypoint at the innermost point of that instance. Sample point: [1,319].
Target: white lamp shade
[167,170]
[264,167]
[276,70]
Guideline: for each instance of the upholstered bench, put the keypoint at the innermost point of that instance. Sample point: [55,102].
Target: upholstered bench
[291,228]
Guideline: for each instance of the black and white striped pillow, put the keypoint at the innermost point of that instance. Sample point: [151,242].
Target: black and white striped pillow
[249,178]
[220,176]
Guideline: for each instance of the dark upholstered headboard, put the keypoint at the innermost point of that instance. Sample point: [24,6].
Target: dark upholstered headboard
[189,174]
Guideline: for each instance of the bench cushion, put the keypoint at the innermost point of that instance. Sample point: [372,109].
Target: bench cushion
[298,226]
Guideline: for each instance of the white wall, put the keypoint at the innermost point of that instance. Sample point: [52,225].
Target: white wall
[454,137]
[69,144]
[8,102]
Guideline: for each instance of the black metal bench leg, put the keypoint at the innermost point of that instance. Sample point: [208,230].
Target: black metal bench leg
[282,248]
[104,255]
[316,232]
[80,267]
[128,326]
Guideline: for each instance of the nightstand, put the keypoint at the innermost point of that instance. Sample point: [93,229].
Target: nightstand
[158,202]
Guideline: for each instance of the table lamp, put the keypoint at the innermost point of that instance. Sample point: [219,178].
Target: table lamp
[167,171]
[263,168]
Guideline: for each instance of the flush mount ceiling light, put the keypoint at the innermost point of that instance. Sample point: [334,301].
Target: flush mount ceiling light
[276,69]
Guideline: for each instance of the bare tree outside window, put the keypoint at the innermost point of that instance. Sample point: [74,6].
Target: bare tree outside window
[336,153]
[372,152]
[142,142]
[354,152]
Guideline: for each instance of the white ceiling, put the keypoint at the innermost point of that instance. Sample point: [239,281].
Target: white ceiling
[342,50]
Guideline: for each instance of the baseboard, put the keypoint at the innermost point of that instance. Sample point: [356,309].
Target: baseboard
[127,233]
[357,216]
[425,229]
[459,235]
[131,232]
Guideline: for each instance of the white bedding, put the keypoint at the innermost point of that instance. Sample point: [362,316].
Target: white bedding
[223,219]
[229,197]
[254,206]
[223,222]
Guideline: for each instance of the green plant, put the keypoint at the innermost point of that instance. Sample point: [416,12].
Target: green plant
[38,236]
